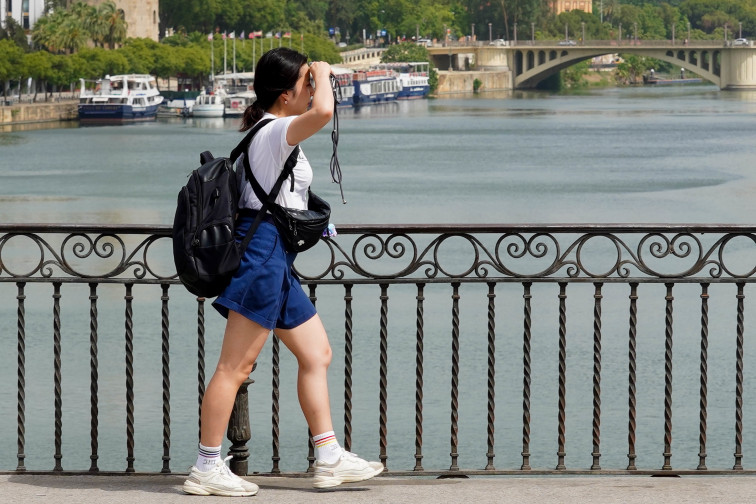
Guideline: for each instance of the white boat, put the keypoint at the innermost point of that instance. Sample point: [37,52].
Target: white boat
[375,86]
[240,92]
[234,105]
[119,99]
[178,107]
[412,77]
[344,78]
[209,105]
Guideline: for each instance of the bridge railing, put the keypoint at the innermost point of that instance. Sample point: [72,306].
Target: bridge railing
[461,349]
[625,42]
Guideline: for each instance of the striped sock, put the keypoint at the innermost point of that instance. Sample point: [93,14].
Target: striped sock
[327,448]
[207,457]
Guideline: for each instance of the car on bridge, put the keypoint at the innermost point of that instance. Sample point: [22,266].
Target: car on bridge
[498,42]
[567,42]
[740,42]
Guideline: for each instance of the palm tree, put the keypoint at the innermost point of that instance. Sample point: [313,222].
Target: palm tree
[71,35]
[114,23]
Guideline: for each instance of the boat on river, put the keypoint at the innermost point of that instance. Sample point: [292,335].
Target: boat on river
[119,99]
[239,90]
[177,103]
[413,78]
[346,85]
[375,86]
[209,104]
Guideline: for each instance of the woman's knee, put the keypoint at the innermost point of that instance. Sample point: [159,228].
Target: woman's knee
[237,371]
[316,358]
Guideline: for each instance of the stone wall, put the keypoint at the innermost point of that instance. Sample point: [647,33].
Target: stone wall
[38,112]
[462,82]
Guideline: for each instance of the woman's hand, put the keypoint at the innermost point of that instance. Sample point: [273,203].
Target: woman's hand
[321,106]
[320,72]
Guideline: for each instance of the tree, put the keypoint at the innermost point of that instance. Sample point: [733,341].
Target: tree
[15,32]
[114,23]
[11,63]
[406,51]
[39,67]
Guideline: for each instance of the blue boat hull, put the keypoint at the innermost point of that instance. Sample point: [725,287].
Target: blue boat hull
[116,113]
[413,92]
[360,99]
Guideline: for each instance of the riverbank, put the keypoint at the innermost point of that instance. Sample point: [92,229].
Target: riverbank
[29,113]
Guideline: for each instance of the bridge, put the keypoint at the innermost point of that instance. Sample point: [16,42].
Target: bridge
[729,67]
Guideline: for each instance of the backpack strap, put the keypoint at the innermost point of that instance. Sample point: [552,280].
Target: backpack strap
[266,199]
[244,144]
[239,150]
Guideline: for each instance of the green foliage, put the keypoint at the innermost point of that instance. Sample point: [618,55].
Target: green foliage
[11,61]
[406,51]
[631,69]
[70,30]
[574,76]
[15,32]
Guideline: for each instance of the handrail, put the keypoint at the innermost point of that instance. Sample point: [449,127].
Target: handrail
[522,294]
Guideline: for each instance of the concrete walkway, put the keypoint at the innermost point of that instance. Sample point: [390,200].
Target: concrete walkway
[140,489]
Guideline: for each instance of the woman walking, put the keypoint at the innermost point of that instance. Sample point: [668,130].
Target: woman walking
[265,294]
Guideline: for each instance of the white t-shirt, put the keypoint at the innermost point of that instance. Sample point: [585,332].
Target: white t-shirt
[268,153]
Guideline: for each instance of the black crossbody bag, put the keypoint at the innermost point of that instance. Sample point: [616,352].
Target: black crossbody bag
[299,229]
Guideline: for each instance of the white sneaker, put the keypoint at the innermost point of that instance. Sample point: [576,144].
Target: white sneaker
[218,481]
[349,469]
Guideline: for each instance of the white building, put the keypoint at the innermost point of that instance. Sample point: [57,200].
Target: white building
[25,12]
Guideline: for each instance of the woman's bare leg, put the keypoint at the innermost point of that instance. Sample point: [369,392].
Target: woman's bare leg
[242,343]
[309,344]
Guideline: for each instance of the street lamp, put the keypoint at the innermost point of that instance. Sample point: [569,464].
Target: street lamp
[473,32]
[489,33]
[689,32]
[582,26]
[566,37]
[635,33]
[515,34]
[673,34]
[532,33]
[619,36]
[740,29]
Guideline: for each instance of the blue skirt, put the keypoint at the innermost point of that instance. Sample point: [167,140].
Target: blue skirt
[265,289]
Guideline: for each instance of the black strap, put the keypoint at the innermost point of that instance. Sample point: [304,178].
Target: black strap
[242,149]
[267,199]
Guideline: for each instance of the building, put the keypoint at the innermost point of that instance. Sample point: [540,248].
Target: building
[559,6]
[141,15]
[25,12]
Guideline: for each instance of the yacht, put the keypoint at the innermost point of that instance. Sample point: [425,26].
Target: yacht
[119,99]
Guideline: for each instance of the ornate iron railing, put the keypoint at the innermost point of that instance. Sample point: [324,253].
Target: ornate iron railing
[477,264]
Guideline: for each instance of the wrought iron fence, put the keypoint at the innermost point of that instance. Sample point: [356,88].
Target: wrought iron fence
[435,272]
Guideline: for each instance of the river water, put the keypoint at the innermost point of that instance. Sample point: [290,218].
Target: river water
[635,155]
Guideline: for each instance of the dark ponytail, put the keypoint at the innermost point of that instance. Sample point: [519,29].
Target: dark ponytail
[276,72]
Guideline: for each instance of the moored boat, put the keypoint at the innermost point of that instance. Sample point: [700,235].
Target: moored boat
[413,79]
[234,105]
[119,98]
[344,78]
[209,105]
[177,103]
[375,86]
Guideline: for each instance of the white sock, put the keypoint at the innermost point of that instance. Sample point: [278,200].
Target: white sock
[207,457]
[327,448]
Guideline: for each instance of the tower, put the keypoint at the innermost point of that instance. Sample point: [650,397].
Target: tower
[141,16]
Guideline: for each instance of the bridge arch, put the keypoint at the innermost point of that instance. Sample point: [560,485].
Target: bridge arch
[534,64]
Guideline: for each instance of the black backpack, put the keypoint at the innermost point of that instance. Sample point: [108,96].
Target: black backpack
[205,252]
